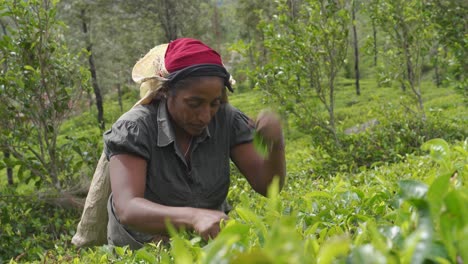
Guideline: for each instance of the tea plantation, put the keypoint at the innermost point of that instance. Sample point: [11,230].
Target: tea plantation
[395,192]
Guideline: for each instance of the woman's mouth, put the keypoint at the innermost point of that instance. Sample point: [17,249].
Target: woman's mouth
[197,128]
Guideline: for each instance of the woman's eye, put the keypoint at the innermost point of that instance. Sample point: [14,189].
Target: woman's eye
[216,103]
[193,104]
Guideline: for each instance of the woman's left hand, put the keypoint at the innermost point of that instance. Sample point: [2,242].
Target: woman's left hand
[257,168]
[268,125]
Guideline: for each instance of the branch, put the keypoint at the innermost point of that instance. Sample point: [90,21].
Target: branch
[21,157]
[3,27]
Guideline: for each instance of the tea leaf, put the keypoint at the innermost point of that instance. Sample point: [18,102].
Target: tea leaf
[260,145]
[333,248]
[143,254]
[410,189]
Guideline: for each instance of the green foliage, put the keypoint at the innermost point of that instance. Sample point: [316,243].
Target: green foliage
[413,212]
[32,225]
[369,199]
[449,19]
[40,83]
[408,30]
[250,50]
[369,215]
[396,134]
[307,47]
[375,129]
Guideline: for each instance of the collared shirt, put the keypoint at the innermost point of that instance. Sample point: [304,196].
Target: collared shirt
[146,131]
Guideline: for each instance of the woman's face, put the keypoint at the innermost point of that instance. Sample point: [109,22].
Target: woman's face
[192,106]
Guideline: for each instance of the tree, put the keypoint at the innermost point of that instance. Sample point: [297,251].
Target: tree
[356,48]
[451,36]
[307,48]
[85,20]
[409,30]
[182,18]
[251,14]
[6,154]
[371,8]
[39,86]
[121,32]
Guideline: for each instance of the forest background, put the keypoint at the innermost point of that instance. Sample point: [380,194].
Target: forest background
[373,95]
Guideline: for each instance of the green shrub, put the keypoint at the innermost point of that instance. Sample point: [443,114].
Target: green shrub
[30,226]
[390,140]
[409,212]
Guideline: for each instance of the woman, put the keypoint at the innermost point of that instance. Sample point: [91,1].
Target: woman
[169,155]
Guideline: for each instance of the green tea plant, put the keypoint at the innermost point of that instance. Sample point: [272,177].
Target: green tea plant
[357,214]
[31,225]
[393,137]
[409,212]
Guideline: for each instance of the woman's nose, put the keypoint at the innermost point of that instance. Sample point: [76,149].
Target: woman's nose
[205,115]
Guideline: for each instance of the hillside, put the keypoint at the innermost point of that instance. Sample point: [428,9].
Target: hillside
[388,211]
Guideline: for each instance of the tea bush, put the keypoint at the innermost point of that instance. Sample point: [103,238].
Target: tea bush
[394,137]
[410,212]
[31,225]
[391,132]
[376,198]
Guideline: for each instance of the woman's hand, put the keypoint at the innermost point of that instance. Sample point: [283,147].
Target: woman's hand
[206,222]
[258,169]
[268,125]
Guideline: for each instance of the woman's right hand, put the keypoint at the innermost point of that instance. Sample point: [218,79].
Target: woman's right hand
[206,222]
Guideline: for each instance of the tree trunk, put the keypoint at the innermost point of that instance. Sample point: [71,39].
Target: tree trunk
[293,7]
[6,153]
[9,169]
[407,54]
[436,67]
[356,50]
[374,31]
[217,31]
[4,29]
[119,92]
[331,109]
[409,66]
[167,14]
[92,69]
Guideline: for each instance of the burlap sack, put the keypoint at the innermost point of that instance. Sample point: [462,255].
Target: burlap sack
[92,229]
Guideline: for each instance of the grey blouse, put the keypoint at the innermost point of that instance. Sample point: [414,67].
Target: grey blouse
[146,131]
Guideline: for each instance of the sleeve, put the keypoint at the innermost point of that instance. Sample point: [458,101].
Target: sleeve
[127,137]
[242,128]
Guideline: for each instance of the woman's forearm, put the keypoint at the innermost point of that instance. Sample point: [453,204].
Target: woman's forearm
[146,216]
[274,165]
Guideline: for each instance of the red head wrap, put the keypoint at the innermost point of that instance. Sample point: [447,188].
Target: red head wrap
[185,52]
